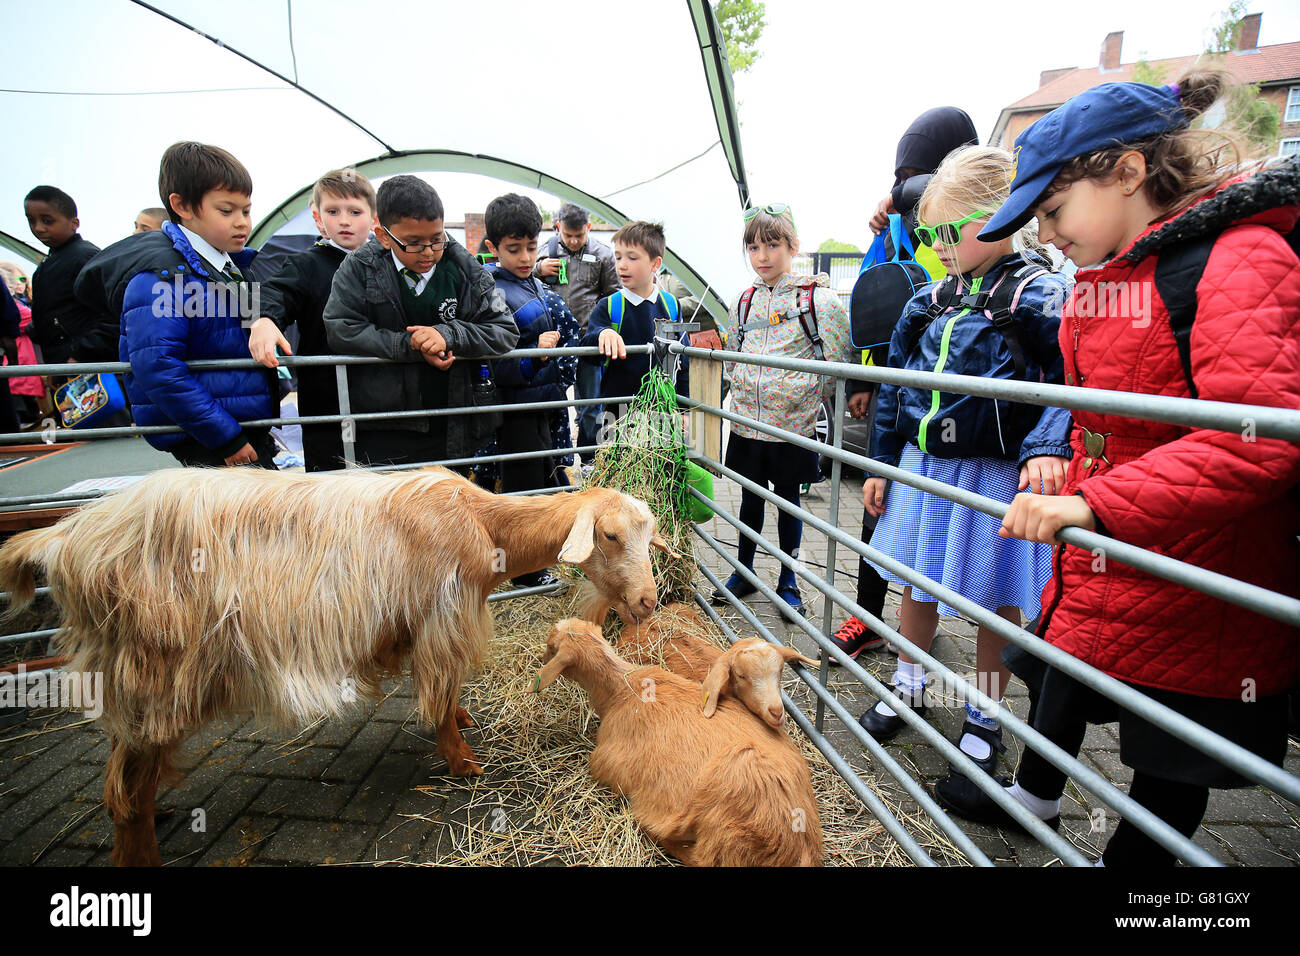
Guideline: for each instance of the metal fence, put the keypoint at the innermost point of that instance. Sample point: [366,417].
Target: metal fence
[1266,422]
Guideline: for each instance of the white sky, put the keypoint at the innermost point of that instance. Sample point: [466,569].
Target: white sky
[822,109]
[838,83]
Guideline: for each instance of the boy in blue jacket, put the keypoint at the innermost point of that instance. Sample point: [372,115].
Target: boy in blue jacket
[512,223]
[186,301]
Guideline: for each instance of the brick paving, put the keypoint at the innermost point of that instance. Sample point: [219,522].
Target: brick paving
[368,788]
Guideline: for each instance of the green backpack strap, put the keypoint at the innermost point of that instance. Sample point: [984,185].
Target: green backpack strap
[669,302]
[615,315]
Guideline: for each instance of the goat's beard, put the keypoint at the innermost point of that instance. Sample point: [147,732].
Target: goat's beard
[595,605]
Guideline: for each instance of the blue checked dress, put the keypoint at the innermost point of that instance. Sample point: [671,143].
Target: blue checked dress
[956,546]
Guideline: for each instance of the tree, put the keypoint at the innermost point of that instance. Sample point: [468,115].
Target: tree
[834,245]
[742,24]
[1225,34]
[1145,72]
[1255,118]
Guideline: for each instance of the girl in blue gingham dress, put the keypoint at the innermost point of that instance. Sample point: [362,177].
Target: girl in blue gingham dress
[992,448]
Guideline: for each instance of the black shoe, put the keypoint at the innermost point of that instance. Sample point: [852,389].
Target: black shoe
[535,580]
[956,793]
[887,727]
[853,638]
[992,737]
[736,586]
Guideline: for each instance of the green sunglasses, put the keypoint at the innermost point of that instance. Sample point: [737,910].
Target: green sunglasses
[949,233]
[772,209]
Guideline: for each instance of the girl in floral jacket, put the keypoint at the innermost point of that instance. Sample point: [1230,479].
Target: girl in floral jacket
[775,306]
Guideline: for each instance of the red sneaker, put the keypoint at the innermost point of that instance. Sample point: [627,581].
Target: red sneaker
[853,638]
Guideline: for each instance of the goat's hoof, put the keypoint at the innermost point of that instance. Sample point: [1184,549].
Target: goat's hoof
[463,719]
[464,764]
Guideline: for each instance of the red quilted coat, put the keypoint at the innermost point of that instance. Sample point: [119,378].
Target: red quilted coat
[1212,499]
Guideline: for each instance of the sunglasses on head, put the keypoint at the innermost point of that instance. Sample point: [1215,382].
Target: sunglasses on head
[949,233]
[772,209]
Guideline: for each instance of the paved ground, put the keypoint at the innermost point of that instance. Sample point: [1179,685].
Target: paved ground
[367,789]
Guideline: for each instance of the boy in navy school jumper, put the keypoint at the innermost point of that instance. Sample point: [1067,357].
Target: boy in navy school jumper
[638,256]
[512,223]
[343,205]
[202,257]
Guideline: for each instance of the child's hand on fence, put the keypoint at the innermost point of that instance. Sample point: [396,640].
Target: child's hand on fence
[1040,517]
[548,340]
[439,360]
[427,339]
[245,456]
[263,337]
[611,343]
[873,496]
[1043,474]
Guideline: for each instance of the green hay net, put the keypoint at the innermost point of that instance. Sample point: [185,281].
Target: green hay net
[646,458]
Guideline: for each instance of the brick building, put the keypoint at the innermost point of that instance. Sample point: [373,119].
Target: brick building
[1274,69]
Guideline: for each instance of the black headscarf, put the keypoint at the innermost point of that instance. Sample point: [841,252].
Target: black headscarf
[932,136]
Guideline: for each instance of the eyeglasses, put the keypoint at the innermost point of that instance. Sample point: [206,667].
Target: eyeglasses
[773,209]
[413,247]
[949,233]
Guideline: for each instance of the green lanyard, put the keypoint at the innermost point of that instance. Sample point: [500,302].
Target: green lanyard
[943,358]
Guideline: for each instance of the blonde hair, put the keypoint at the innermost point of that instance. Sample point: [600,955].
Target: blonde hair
[1182,164]
[971,179]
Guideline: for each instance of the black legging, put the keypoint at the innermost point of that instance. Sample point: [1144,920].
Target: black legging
[789,529]
[1181,805]
[872,588]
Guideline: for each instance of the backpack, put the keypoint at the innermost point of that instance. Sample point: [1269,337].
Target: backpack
[998,305]
[616,304]
[805,311]
[884,286]
[1178,271]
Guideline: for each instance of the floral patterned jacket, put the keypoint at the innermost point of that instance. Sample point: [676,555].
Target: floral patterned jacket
[777,397]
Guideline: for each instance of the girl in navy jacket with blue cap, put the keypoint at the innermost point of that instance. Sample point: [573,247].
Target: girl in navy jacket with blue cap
[996,315]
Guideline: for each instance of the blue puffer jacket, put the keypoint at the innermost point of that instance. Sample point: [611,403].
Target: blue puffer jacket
[173,312]
[951,425]
[536,310]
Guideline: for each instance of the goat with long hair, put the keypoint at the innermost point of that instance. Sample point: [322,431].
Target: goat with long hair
[199,592]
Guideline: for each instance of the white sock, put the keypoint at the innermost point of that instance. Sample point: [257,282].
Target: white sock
[1043,809]
[910,678]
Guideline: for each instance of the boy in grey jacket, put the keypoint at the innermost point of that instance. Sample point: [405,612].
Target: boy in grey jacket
[415,296]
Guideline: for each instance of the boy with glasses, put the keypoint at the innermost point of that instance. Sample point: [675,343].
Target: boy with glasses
[415,296]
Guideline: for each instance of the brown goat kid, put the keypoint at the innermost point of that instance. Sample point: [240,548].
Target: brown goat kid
[750,670]
[199,592]
[726,791]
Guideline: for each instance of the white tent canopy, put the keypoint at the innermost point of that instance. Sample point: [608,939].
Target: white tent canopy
[294,89]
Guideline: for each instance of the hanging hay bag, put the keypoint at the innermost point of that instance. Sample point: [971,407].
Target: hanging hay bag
[88,400]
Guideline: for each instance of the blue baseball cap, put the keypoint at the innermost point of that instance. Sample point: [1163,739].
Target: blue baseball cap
[1109,115]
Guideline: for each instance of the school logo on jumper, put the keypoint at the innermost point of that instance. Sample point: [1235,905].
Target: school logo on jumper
[187,297]
[447,311]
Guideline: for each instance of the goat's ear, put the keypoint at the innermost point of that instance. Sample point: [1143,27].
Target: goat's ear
[658,542]
[550,673]
[790,654]
[716,683]
[582,537]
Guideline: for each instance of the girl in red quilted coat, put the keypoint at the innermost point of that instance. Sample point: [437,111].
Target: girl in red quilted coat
[1218,500]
